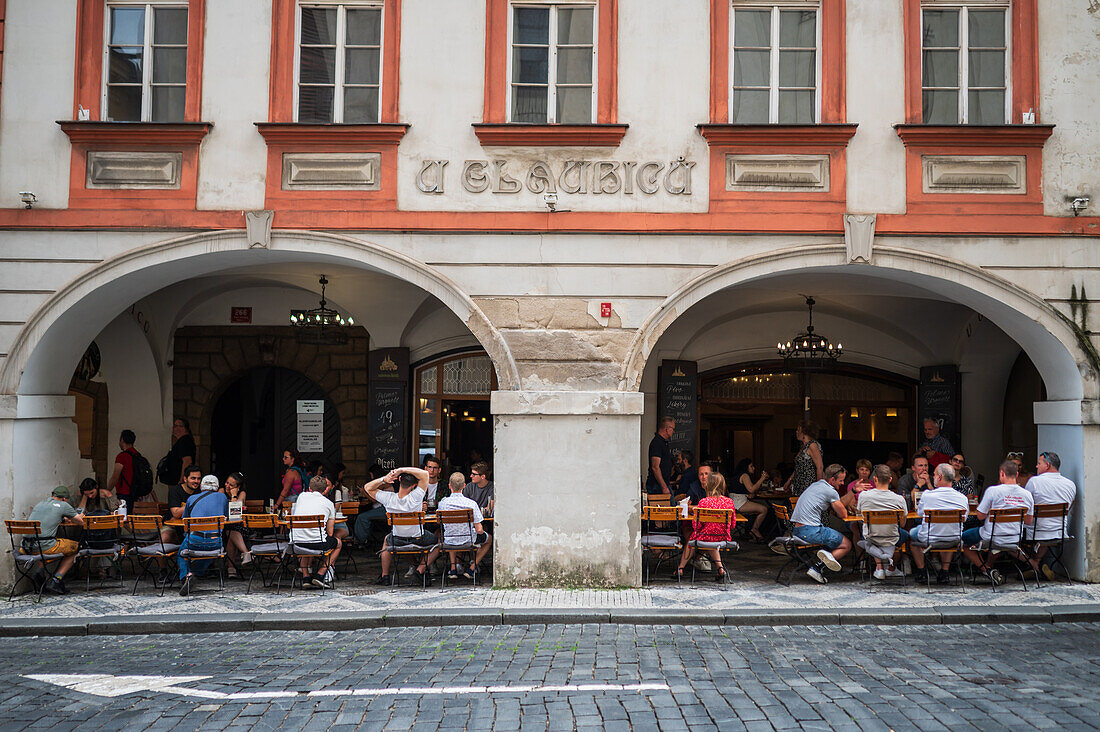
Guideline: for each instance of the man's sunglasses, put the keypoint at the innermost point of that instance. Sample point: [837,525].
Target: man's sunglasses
[1012,455]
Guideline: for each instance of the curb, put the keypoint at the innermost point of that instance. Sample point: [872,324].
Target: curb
[439,617]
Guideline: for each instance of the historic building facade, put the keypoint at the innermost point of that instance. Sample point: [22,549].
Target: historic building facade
[528,207]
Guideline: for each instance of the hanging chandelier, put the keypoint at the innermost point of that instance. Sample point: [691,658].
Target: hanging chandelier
[321,326]
[809,349]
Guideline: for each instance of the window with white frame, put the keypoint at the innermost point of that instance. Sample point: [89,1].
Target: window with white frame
[964,60]
[553,62]
[339,63]
[145,65]
[775,64]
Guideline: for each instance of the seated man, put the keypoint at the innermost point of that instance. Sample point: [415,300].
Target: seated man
[208,502]
[312,502]
[459,534]
[819,497]
[942,497]
[480,488]
[882,539]
[51,513]
[1049,486]
[411,485]
[1005,495]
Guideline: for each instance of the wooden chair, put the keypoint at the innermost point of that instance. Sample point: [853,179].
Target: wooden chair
[799,552]
[1007,545]
[153,552]
[254,506]
[656,499]
[1056,546]
[458,517]
[350,509]
[26,562]
[293,553]
[415,518]
[264,525]
[950,542]
[93,549]
[660,535]
[873,551]
[724,516]
[207,524]
[149,508]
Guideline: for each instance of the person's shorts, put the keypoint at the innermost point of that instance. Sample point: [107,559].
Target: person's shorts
[823,535]
[479,540]
[739,500]
[68,547]
[427,539]
[972,537]
[319,546]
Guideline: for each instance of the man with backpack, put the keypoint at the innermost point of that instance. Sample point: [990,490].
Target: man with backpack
[132,478]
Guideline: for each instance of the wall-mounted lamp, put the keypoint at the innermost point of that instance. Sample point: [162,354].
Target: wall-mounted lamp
[1077,204]
[29,199]
[551,201]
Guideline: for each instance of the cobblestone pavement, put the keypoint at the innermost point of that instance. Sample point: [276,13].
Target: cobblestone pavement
[865,678]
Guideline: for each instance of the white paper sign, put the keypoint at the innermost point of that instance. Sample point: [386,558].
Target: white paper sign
[313,442]
[311,429]
[236,508]
[311,406]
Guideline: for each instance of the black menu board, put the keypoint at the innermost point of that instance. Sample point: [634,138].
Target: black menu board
[389,406]
[678,382]
[938,398]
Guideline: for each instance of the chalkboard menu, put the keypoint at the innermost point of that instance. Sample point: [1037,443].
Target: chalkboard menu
[938,398]
[389,406]
[679,386]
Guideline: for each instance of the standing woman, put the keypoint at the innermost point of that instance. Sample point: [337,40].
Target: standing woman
[743,492]
[233,488]
[807,463]
[294,477]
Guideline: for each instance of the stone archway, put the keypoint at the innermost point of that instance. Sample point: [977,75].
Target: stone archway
[208,359]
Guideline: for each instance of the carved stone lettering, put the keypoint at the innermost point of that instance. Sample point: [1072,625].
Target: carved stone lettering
[628,177]
[574,176]
[606,177]
[502,182]
[678,177]
[474,177]
[540,179]
[577,177]
[647,181]
[430,177]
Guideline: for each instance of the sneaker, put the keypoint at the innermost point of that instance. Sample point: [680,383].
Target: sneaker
[319,582]
[246,558]
[995,576]
[921,575]
[452,574]
[468,572]
[702,564]
[1048,572]
[880,574]
[816,574]
[185,585]
[942,577]
[54,587]
[330,575]
[828,560]
[894,572]
[779,548]
[411,573]
[383,579]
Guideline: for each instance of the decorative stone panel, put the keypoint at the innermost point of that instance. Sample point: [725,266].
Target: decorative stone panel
[112,169]
[332,171]
[777,172]
[974,173]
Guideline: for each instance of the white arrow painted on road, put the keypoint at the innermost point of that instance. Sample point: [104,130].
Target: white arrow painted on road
[111,686]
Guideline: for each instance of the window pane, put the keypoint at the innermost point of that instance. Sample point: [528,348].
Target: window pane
[318,66]
[574,105]
[125,65]
[529,104]
[531,25]
[987,28]
[315,104]
[530,65]
[428,383]
[987,68]
[796,107]
[169,65]
[941,28]
[362,66]
[124,103]
[750,106]
[168,103]
[941,68]
[751,68]
[798,28]
[319,26]
[575,66]
[574,26]
[752,28]
[364,27]
[170,26]
[987,107]
[428,420]
[360,104]
[127,26]
[941,107]
[797,68]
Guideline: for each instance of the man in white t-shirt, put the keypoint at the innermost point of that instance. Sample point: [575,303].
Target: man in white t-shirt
[1005,495]
[1049,486]
[460,534]
[409,498]
[942,497]
[312,502]
[432,492]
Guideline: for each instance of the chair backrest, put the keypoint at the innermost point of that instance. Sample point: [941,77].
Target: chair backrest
[254,507]
[307,522]
[658,499]
[348,508]
[203,523]
[1051,510]
[713,515]
[458,516]
[945,516]
[111,522]
[148,508]
[260,520]
[23,527]
[288,506]
[661,513]
[883,518]
[679,497]
[1006,516]
[781,512]
[141,524]
[411,518]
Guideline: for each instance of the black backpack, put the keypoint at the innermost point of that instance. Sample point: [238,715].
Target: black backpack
[168,469]
[142,483]
[101,538]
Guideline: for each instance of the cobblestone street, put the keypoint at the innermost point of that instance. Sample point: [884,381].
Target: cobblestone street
[470,677]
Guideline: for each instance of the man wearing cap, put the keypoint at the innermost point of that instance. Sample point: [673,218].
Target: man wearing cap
[209,501]
[51,513]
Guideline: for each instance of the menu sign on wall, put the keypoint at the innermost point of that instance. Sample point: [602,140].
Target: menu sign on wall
[389,405]
[311,425]
[678,382]
[938,398]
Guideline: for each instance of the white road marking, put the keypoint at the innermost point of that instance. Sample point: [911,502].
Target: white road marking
[107,685]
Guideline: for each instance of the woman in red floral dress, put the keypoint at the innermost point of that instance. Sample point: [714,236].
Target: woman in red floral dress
[716,498]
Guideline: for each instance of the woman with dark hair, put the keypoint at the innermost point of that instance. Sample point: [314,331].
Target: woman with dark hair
[93,499]
[295,478]
[743,491]
[233,488]
[807,463]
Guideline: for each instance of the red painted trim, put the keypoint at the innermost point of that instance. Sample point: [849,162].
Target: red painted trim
[135,133]
[281,93]
[550,135]
[833,57]
[341,137]
[911,31]
[971,136]
[496,62]
[827,135]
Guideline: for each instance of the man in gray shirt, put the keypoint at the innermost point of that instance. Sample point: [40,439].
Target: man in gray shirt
[819,497]
[51,513]
[480,488]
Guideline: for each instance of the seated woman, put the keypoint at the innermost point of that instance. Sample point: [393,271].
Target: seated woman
[861,483]
[335,493]
[238,550]
[743,492]
[716,498]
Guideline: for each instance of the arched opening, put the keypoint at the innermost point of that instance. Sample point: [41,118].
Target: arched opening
[452,418]
[256,418]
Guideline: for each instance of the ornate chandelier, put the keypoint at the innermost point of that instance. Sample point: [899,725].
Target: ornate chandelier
[321,326]
[809,349]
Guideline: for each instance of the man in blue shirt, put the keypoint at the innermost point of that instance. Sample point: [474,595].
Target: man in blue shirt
[209,501]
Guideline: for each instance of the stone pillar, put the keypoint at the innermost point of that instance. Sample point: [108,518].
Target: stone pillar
[567,488]
[1072,429]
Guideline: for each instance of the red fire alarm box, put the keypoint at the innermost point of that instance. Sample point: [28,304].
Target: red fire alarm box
[240,315]
[605,310]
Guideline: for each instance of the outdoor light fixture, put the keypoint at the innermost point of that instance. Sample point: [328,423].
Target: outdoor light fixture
[321,326]
[808,349]
[29,199]
[1077,204]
